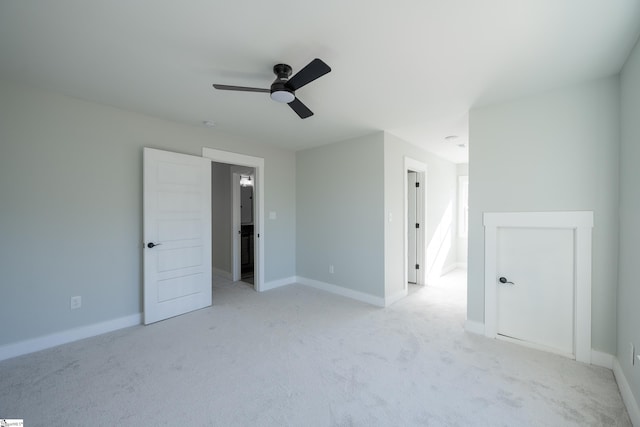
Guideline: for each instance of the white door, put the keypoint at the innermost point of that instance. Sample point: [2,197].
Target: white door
[177,234]
[538,305]
[412,238]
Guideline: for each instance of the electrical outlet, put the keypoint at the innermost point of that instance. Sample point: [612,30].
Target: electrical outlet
[331,269]
[633,353]
[76,302]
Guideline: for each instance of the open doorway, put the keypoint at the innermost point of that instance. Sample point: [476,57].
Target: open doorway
[231,227]
[232,222]
[243,212]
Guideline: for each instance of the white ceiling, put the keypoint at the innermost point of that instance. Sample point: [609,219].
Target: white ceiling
[410,67]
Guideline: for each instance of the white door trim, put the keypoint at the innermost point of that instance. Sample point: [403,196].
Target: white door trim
[258,193]
[412,165]
[582,223]
[235,226]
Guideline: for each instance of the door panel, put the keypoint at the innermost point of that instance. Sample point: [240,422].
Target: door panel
[539,306]
[177,218]
[412,245]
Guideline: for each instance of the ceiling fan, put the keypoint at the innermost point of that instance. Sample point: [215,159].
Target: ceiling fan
[283,88]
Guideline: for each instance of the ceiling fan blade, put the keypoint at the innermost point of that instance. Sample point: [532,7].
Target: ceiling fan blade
[313,70]
[241,88]
[300,109]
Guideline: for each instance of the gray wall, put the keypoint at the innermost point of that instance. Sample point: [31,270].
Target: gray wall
[557,151]
[221,217]
[628,284]
[339,199]
[441,209]
[462,169]
[71,207]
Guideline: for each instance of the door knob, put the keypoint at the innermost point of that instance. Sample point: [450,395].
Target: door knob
[504,280]
[151,245]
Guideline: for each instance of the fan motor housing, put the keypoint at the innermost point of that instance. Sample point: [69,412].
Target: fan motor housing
[279,91]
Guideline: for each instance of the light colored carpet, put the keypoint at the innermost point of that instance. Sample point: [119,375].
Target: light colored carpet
[296,356]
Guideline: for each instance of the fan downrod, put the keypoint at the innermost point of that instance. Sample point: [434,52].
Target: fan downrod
[282,71]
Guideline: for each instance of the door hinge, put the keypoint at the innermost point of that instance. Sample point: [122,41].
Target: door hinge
[417,184]
[417,225]
[417,266]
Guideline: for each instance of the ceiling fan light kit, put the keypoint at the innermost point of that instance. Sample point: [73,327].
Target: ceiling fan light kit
[283,88]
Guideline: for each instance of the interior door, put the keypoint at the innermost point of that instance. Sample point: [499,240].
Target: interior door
[177,234]
[412,238]
[536,300]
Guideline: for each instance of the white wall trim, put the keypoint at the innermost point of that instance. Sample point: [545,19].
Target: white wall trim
[627,395]
[259,191]
[71,335]
[278,283]
[339,290]
[395,297]
[222,273]
[535,346]
[474,327]
[602,359]
[448,269]
[582,223]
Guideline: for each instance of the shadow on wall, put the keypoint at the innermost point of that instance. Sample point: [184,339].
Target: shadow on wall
[440,245]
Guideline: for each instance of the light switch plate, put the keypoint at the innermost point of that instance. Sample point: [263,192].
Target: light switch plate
[76,302]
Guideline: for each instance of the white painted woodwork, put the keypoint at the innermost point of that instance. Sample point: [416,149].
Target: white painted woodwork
[235,227]
[539,306]
[412,246]
[420,170]
[258,200]
[177,216]
[581,224]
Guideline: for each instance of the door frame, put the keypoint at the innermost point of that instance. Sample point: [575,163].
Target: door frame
[582,224]
[413,165]
[235,226]
[258,196]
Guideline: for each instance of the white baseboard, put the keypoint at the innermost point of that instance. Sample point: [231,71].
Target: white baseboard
[277,283]
[222,273]
[339,290]
[474,327]
[627,395]
[448,269]
[599,358]
[395,297]
[64,337]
